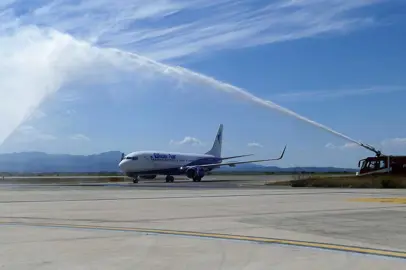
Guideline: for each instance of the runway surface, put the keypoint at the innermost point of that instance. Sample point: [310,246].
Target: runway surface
[217,224]
[210,181]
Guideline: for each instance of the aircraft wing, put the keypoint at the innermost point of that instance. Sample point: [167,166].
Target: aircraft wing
[232,164]
[224,158]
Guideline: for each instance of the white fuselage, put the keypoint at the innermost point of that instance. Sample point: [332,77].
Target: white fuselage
[149,164]
[157,162]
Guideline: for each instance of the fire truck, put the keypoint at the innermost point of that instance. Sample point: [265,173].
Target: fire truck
[381,164]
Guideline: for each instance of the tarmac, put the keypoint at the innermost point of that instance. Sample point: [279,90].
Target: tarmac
[220,223]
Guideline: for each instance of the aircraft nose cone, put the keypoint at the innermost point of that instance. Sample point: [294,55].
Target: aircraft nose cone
[123,165]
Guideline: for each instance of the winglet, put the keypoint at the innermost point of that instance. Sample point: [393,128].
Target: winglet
[283,153]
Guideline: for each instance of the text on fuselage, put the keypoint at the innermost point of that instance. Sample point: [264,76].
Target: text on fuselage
[157,156]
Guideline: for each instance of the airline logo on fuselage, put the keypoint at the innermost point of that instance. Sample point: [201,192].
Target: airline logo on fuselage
[158,156]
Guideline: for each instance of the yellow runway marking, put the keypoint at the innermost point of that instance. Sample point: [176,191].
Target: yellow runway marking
[396,200]
[263,240]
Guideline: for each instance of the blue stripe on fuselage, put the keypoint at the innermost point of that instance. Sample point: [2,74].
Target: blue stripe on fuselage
[204,161]
[177,171]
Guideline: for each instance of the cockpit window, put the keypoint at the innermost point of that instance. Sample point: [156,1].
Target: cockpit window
[132,158]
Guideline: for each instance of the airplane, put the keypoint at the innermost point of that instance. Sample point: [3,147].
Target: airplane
[149,164]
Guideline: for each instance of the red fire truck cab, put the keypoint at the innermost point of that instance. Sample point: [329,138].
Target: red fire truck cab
[382,164]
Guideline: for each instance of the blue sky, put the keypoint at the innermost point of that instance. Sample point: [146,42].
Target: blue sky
[84,77]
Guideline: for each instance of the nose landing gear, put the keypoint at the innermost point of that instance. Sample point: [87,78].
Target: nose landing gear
[134,177]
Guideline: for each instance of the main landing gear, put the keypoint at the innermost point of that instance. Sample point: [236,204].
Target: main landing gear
[135,179]
[169,179]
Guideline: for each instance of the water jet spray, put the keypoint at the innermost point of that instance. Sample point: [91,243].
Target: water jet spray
[179,71]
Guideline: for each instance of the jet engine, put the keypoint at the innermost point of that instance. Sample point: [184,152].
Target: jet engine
[195,172]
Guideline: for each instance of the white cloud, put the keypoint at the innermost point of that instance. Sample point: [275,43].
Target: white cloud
[70,112]
[161,30]
[394,142]
[36,115]
[29,134]
[330,146]
[350,145]
[79,137]
[254,144]
[335,93]
[187,140]
[69,97]
[342,147]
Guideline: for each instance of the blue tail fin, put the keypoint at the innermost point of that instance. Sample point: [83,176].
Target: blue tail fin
[216,149]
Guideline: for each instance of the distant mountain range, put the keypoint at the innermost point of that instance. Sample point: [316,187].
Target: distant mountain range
[38,162]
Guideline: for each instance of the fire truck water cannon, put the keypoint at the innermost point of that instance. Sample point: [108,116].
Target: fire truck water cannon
[371,148]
